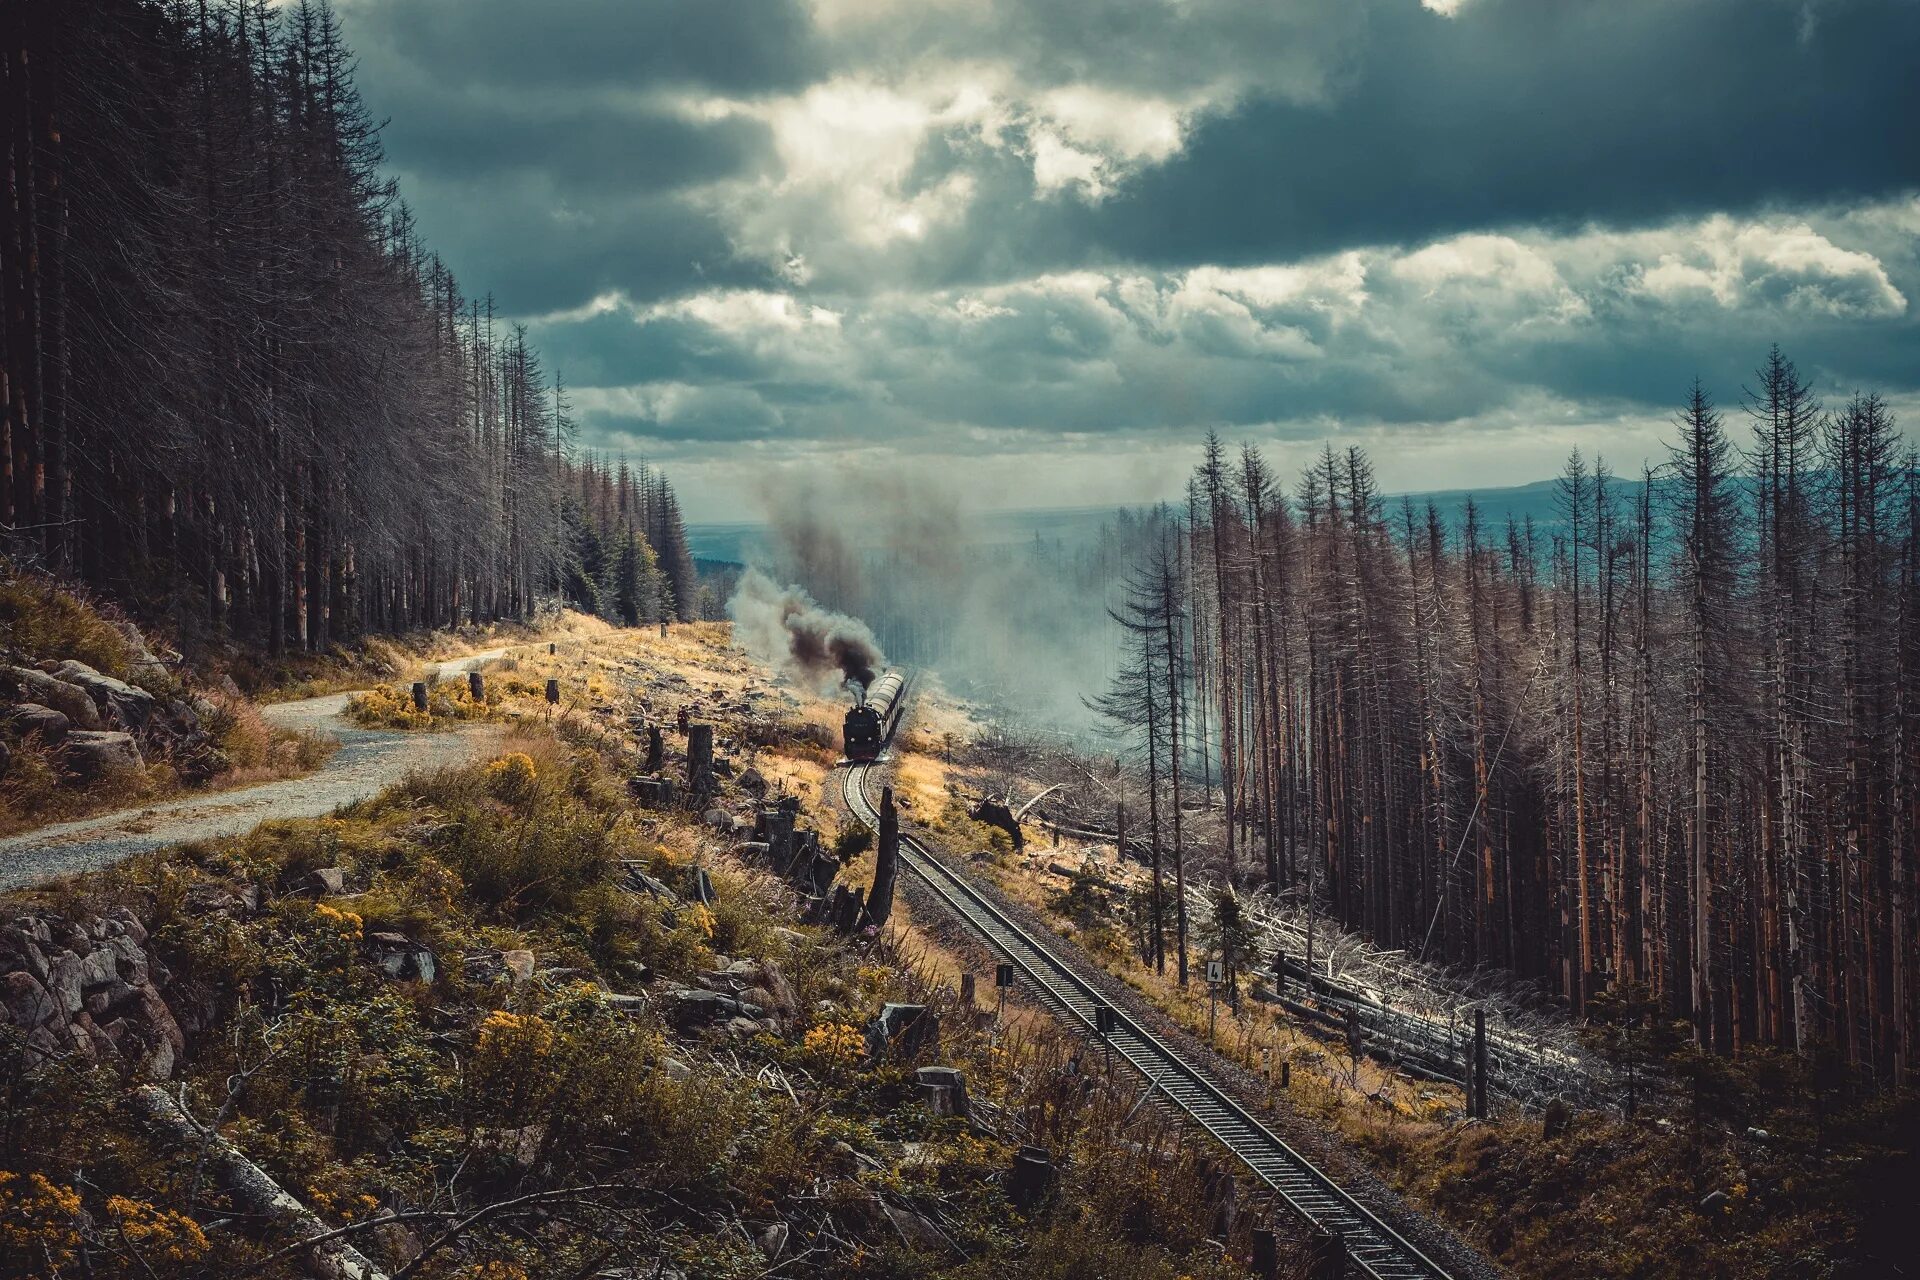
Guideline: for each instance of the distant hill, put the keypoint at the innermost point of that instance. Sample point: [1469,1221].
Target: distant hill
[738,542]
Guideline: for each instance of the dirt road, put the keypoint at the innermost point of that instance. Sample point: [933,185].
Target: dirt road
[368,760]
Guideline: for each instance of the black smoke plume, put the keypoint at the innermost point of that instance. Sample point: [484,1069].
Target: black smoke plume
[785,627]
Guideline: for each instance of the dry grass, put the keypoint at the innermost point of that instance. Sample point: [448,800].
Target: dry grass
[396,659]
[41,619]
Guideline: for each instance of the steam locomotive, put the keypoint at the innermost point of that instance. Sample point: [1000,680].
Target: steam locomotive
[870,724]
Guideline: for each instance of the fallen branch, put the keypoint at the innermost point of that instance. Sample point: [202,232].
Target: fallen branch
[248,1183]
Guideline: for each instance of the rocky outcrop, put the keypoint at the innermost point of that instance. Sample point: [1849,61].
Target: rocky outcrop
[92,991]
[57,701]
[70,700]
[118,702]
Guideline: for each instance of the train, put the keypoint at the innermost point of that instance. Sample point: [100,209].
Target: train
[870,724]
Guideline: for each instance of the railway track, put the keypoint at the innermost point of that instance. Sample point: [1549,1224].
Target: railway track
[1372,1246]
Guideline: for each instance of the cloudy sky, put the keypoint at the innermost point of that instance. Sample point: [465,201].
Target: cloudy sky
[1039,246]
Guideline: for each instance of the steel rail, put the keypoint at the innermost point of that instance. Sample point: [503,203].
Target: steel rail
[1374,1247]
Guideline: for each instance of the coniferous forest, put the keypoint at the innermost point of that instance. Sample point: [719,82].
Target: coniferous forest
[239,391]
[1662,756]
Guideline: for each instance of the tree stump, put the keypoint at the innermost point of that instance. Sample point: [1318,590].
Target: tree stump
[477,686]
[780,840]
[656,750]
[699,758]
[419,695]
[886,862]
[1031,1179]
[849,918]
[1326,1256]
[1266,1254]
[553,693]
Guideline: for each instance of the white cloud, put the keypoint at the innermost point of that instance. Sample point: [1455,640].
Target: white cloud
[1058,166]
[1496,338]
[1784,264]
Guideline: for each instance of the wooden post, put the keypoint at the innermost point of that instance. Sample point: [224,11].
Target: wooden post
[477,686]
[419,695]
[966,990]
[656,750]
[552,648]
[553,692]
[1286,1075]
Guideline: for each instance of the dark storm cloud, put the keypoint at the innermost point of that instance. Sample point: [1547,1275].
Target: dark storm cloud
[589,148]
[1515,112]
[1003,227]
[733,46]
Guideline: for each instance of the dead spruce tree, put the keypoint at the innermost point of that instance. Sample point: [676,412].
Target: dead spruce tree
[1667,741]
[238,390]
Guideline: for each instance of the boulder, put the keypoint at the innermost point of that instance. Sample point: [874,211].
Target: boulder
[70,700]
[519,965]
[401,958]
[19,949]
[750,780]
[127,706]
[631,1006]
[28,1004]
[91,754]
[67,980]
[325,882]
[207,897]
[691,1008]
[142,654]
[26,718]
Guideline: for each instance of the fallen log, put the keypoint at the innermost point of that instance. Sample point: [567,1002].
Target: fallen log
[253,1190]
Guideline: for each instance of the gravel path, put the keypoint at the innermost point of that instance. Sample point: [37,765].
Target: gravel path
[367,761]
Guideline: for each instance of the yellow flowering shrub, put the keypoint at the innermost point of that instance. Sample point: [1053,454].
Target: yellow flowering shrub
[513,779]
[156,1234]
[506,1033]
[834,1043]
[37,1215]
[702,918]
[385,707]
[492,1271]
[345,922]
[391,707]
